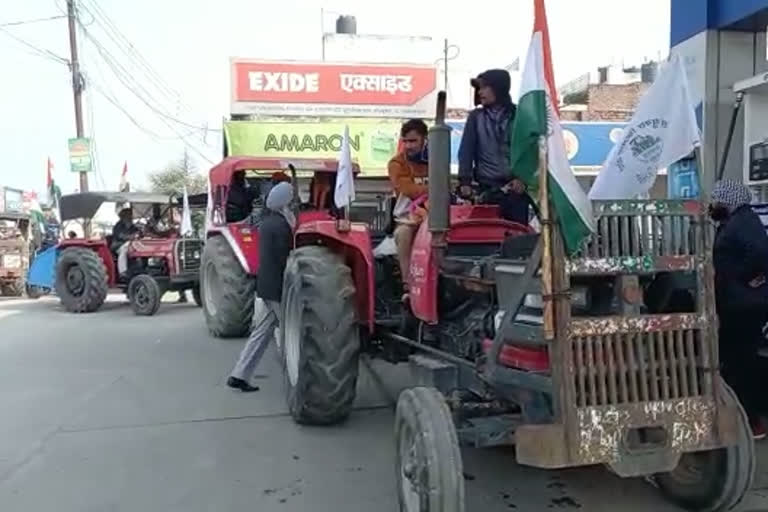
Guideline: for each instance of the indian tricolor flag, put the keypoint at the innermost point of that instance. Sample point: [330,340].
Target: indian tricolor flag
[537,116]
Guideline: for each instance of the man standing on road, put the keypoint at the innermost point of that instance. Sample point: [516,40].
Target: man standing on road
[275,243]
[485,148]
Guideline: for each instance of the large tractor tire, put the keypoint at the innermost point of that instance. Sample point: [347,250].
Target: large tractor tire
[227,291]
[320,337]
[14,289]
[715,480]
[145,295]
[428,465]
[81,280]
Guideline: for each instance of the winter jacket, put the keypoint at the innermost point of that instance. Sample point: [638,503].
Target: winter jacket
[275,243]
[407,178]
[484,149]
[740,254]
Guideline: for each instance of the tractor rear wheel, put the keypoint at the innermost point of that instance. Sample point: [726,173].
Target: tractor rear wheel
[428,465]
[14,289]
[320,337]
[145,295]
[81,280]
[714,480]
[227,291]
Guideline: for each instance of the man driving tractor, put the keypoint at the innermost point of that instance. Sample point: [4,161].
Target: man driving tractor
[484,150]
[122,233]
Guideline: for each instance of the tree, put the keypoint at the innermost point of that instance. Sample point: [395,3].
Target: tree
[174,176]
[172,179]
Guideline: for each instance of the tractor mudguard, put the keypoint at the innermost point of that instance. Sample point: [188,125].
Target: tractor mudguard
[357,249]
[101,248]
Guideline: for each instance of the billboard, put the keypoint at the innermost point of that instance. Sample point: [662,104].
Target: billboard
[374,142]
[332,90]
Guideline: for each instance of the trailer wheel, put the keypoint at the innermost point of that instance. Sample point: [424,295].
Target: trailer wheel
[81,280]
[428,465]
[227,291]
[320,337]
[715,480]
[35,292]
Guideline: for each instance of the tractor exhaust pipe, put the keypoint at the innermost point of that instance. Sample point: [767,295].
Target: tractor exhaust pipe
[439,178]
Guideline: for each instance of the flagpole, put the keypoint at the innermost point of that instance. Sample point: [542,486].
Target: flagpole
[546,236]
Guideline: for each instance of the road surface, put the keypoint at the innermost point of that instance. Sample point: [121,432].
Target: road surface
[109,412]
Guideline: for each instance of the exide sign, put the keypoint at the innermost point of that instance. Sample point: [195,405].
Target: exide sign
[356,90]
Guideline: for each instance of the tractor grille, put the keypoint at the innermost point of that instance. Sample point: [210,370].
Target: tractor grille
[189,253]
[623,368]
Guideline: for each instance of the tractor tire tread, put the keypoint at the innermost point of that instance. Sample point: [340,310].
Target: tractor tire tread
[96,285]
[330,344]
[234,308]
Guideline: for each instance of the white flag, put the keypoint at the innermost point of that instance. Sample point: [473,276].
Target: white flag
[662,131]
[345,180]
[186,216]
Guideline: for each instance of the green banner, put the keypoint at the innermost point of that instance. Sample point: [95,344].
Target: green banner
[80,155]
[373,143]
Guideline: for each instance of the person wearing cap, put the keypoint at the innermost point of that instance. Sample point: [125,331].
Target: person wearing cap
[275,243]
[484,151]
[122,233]
[740,258]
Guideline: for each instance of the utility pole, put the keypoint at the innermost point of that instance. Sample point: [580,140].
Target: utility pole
[77,81]
[445,65]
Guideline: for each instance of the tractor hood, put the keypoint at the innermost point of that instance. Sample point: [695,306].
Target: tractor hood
[86,204]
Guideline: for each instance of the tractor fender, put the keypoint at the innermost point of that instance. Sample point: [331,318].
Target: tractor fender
[356,247]
[98,246]
[244,242]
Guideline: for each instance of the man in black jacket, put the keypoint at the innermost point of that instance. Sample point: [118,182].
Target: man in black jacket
[740,257]
[275,243]
[485,148]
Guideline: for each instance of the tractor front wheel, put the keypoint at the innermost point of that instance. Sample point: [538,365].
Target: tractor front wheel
[715,480]
[320,337]
[145,295]
[197,296]
[81,280]
[227,291]
[428,466]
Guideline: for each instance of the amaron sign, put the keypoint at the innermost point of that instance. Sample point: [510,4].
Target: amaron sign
[339,90]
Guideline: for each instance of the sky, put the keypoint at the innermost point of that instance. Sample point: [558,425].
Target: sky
[148,118]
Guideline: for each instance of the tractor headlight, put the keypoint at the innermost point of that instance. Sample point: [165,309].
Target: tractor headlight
[11,261]
[155,262]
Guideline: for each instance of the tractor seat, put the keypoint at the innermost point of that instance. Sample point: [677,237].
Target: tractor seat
[519,247]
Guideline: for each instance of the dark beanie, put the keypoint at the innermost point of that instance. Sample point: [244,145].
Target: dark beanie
[498,80]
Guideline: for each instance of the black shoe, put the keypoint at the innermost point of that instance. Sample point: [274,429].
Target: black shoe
[240,384]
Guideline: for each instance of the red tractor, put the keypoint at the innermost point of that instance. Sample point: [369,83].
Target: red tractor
[238,187]
[606,357]
[86,269]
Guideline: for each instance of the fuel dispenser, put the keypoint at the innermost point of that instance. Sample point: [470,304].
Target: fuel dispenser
[752,95]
